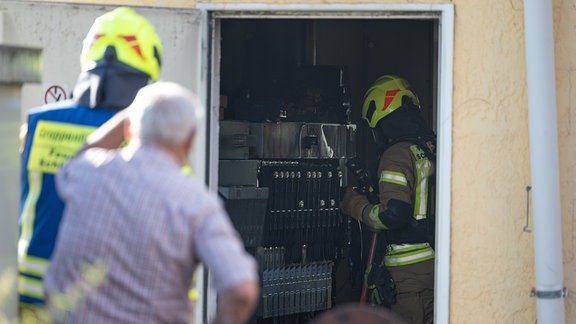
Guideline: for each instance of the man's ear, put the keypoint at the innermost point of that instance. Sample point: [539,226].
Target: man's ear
[190,141]
[127,132]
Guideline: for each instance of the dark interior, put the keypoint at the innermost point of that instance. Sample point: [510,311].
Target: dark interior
[316,71]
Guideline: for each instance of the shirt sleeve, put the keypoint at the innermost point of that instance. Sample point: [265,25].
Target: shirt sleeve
[65,178]
[221,249]
[72,173]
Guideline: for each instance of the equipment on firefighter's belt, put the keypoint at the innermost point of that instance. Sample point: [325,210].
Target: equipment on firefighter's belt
[363,179]
[371,254]
[364,187]
[380,285]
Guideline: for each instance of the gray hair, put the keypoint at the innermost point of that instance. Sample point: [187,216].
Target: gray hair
[163,113]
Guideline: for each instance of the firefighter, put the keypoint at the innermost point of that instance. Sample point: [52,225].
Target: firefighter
[121,53]
[402,274]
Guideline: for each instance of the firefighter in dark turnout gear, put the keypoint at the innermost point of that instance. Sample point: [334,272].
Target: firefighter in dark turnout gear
[121,54]
[404,215]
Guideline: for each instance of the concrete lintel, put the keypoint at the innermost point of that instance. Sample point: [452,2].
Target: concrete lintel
[20,64]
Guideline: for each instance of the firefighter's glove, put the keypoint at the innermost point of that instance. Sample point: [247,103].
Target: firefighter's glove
[353,203]
[380,285]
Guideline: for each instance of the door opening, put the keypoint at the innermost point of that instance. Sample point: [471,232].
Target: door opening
[290,93]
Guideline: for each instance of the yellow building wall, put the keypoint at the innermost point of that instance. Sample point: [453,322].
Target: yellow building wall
[492,255]
[565,50]
[151,3]
[492,263]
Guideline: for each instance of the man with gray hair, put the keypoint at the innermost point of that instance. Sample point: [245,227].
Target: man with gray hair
[135,227]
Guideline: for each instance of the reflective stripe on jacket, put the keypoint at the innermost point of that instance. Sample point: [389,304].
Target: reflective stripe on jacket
[403,254]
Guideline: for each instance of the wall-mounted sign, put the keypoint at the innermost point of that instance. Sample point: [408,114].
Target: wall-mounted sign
[54,93]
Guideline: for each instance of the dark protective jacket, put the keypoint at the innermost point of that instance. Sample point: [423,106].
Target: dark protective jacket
[55,133]
[404,173]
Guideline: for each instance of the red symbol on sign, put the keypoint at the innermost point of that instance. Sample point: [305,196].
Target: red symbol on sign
[54,93]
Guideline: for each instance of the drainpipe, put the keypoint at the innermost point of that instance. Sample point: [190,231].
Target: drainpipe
[549,291]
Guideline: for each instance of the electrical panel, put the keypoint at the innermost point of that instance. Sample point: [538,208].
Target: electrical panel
[281,184]
[283,147]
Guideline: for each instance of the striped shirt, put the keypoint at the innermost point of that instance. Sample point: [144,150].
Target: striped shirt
[133,232]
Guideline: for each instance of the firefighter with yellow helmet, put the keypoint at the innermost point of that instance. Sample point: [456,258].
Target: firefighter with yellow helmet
[402,274]
[121,53]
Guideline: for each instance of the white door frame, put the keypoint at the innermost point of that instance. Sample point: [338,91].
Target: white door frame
[444,14]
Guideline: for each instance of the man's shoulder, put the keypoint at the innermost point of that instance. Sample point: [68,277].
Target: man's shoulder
[166,171]
[202,195]
[199,188]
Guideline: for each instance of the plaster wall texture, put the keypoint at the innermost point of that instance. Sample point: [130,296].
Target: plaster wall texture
[152,3]
[192,3]
[492,256]
[565,54]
